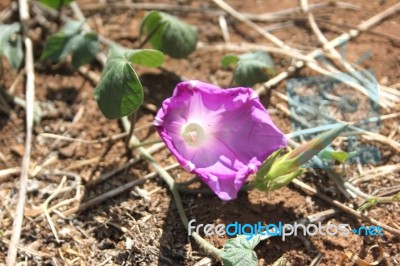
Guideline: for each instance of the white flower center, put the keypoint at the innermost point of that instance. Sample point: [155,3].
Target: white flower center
[193,134]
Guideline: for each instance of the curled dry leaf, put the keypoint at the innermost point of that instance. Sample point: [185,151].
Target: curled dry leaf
[348,255]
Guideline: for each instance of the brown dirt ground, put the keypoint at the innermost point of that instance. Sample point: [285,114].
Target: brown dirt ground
[143,228]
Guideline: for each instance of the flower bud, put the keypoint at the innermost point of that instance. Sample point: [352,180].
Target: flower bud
[276,172]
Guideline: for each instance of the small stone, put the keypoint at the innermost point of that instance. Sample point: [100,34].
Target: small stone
[33,185]
[18,149]
[129,243]
[106,243]
[68,151]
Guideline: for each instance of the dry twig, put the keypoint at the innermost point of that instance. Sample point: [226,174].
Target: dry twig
[114,192]
[27,250]
[375,173]
[46,204]
[331,73]
[5,173]
[244,47]
[30,97]
[224,28]
[251,24]
[287,13]
[361,77]
[333,43]
[309,190]
[131,162]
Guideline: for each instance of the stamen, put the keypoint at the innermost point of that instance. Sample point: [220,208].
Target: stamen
[193,134]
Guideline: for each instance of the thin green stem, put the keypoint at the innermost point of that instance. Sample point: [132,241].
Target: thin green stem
[132,122]
[174,190]
[178,201]
[144,143]
[189,182]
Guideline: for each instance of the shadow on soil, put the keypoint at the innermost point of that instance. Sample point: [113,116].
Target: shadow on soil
[158,87]
[208,209]
[3,120]
[66,94]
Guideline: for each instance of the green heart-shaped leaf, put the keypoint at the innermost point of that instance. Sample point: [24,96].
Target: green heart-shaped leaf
[239,251]
[119,92]
[84,49]
[145,57]
[252,68]
[169,34]
[152,25]
[70,40]
[56,47]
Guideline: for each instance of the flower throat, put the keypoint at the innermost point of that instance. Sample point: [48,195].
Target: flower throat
[193,134]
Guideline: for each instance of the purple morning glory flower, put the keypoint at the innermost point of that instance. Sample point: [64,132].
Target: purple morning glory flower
[222,135]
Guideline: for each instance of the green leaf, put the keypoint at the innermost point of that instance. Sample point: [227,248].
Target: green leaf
[229,60]
[70,40]
[145,57]
[85,48]
[252,68]
[259,56]
[152,25]
[55,3]
[11,44]
[72,27]
[341,156]
[179,39]
[239,251]
[330,154]
[119,92]
[247,74]
[56,47]
[59,44]
[169,34]
[326,153]
[280,262]
[368,204]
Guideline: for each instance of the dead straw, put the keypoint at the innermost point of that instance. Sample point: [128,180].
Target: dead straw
[333,43]
[30,96]
[114,192]
[309,190]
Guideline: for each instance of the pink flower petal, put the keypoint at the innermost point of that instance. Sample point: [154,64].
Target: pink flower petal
[222,135]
